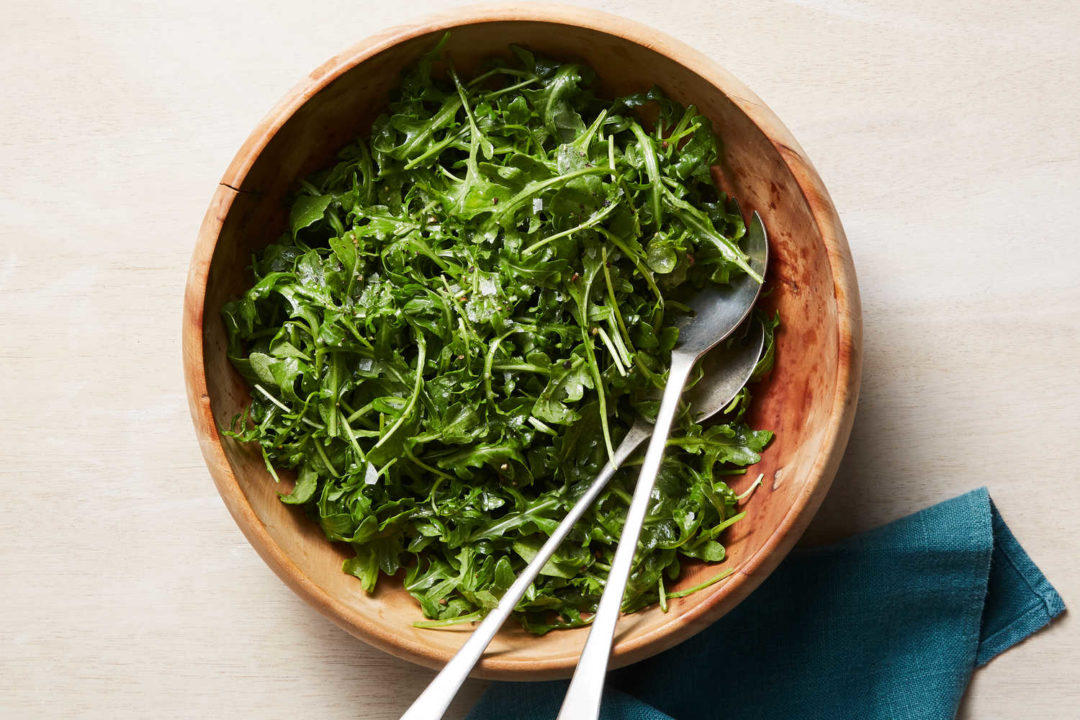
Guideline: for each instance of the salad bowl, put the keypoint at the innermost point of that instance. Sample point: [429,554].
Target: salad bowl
[808,400]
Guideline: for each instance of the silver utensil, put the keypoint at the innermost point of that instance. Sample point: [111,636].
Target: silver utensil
[717,313]
[727,370]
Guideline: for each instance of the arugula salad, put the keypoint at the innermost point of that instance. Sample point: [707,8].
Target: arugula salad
[467,313]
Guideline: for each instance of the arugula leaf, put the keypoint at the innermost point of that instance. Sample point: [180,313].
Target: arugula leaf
[307,210]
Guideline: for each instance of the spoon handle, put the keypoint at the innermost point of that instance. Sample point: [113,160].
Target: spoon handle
[582,701]
[437,697]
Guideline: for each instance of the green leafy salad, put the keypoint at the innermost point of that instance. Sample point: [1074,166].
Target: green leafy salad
[467,314]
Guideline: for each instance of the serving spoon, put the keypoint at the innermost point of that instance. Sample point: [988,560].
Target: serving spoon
[726,371]
[717,312]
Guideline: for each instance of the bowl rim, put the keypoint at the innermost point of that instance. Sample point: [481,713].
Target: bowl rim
[849,334]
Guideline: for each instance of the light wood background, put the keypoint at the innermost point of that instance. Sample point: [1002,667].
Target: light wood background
[948,134]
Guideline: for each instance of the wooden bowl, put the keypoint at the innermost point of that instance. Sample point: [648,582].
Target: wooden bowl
[809,401]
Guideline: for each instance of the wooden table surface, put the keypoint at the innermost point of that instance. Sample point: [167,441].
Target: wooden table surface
[948,134]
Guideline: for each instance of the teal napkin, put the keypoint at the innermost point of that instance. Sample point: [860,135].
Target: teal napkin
[887,624]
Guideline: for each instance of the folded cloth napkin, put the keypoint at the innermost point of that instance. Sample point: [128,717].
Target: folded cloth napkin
[887,624]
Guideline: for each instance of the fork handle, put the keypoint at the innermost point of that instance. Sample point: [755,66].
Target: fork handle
[436,698]
[582,701]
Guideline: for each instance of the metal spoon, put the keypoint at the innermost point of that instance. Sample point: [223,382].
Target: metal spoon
[727,369]
[717,312]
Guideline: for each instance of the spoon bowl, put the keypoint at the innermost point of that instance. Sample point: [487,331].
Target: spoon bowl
[725,371]
[719,309]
